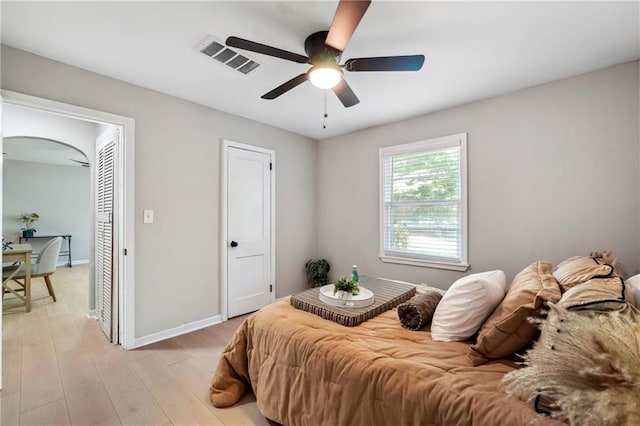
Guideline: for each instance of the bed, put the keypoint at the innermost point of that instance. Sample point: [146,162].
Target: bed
[306,370]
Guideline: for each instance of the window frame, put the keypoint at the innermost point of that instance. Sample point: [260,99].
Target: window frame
[427,145]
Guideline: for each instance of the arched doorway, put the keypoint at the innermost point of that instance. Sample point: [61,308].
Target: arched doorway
[52,179]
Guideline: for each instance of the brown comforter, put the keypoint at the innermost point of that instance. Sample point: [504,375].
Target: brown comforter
[305,370]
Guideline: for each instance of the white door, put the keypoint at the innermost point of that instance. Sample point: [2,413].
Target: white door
[105,265]
[248,231]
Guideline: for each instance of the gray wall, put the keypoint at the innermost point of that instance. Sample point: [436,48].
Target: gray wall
[177,174]
[553,172]
[59,194]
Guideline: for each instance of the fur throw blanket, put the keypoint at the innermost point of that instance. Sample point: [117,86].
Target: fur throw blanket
[584,369]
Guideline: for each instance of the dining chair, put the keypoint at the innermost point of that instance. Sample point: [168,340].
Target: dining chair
[44,266]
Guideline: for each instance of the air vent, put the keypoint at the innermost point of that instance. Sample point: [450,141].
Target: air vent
[215,49]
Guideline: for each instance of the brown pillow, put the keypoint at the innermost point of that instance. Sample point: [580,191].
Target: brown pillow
[580,269]
[418,311]
[598,294]
[508,329]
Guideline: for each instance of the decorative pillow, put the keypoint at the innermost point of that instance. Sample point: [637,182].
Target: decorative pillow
[598,294]
[508,329]
[580,269]
[633,287]
[607,257]
[466,304]
[418,311]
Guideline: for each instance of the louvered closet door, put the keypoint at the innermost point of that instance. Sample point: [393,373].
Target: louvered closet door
[105,195]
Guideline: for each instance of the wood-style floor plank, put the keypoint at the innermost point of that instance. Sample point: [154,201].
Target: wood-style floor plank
[10,409]
[87,399]
[111,421]
[66,336]
[133,402]
[35,328]
[169,351]
[194,376]
[182,407]
[12,324]
[11,364]
[58,308]
[54,413]
[197,378]
[59,368]
[40,382]
[200,348]
[93,338]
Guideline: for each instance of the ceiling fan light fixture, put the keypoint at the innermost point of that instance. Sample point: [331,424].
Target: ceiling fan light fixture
[325,76]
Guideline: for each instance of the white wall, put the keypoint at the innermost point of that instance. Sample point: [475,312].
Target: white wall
[177,172]
[59,194]
[553,172]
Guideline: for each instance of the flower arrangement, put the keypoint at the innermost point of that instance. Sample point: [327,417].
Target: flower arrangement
[348,286]
[28,220]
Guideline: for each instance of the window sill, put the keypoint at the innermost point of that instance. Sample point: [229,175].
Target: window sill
[426,263]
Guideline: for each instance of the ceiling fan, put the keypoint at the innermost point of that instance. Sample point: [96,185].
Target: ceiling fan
[324,49]
[82,163]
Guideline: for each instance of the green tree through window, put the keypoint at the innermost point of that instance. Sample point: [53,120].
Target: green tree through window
[423,197]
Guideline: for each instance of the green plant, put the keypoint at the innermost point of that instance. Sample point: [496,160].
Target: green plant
[343,284]
[400,235]
[28,220]
[318,272]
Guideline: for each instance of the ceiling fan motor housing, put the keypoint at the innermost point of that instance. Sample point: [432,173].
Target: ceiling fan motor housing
[318,52]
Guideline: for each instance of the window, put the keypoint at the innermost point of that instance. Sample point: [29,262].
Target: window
[423,203]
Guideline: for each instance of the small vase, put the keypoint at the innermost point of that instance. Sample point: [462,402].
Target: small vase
[27,233]
[344,295]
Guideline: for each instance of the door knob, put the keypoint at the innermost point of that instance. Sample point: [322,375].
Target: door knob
[234,244]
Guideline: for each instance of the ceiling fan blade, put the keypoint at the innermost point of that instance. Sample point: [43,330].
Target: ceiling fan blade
[82,163]
[386,63]
[285,87]
[345,94]
[348,15]
[252,46]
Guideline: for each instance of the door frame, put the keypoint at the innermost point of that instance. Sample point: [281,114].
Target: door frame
[224,244]
[126,162]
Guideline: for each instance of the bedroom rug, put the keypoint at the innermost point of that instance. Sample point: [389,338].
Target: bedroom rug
[387,293]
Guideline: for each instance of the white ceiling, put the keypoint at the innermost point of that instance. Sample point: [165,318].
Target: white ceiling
[40,150]
[473,51]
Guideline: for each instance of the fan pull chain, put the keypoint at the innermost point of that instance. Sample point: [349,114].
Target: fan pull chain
[324,119]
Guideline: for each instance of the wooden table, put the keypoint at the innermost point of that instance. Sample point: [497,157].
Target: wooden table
[19,253]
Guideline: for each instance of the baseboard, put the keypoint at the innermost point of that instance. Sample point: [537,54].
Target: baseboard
[65,262]
[92,313]
[80,262]
[176,331]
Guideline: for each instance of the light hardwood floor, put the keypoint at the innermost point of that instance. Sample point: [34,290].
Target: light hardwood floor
[59,369]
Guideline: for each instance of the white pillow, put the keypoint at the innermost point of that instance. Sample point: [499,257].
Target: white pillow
[466,305]
[634,284]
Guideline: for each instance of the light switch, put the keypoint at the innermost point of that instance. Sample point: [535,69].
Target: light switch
[147,216]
